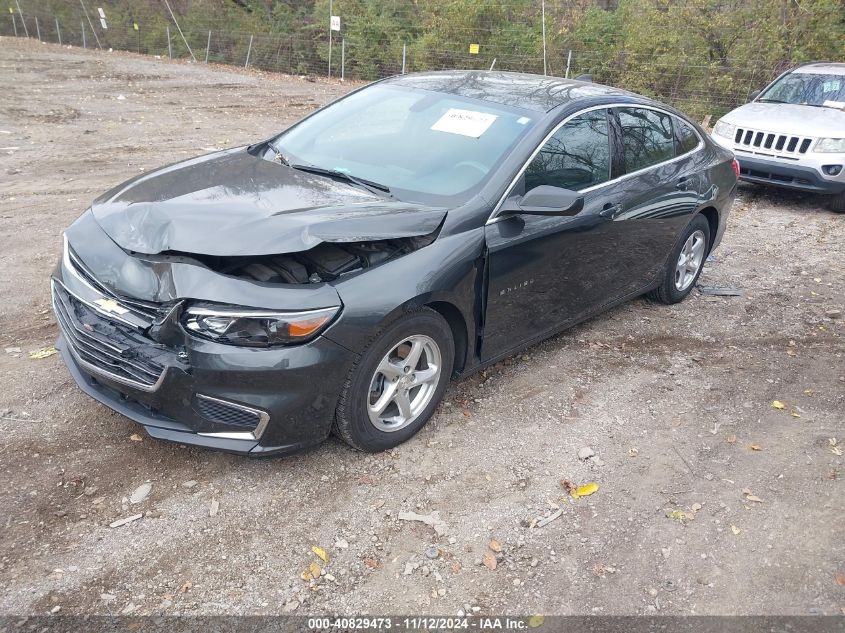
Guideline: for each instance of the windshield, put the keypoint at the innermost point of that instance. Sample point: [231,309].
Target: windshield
[425,146]
[822,89]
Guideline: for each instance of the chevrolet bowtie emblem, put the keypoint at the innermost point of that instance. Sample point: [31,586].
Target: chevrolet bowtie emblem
[111,306]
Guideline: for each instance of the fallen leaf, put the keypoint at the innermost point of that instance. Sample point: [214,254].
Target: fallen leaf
[840,580]
[136,438]
[321,553]
[735,529]
[314,569]
[836,450]
[794,413]
[777,404]
[372,563]
[754,498]
[678,515]
[535,621]
[489,560]
[808,392]
[44,352]
[818,280]
[585,490]
[495,545]
[755,447]
[632,452]
[731,439]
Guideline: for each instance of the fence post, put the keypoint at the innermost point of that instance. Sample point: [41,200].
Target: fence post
[544,36]
[58,32]
[568,64]
[404,46]
[248,51]
[14,24]
[169,44]
[342,58]
[207,47]
[20,13]
[84,42]
[37,28]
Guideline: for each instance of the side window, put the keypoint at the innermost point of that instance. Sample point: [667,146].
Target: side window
[647,137]
[575,157]
[687,139]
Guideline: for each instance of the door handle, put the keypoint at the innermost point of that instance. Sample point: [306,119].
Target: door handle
[610,211]
[683,184]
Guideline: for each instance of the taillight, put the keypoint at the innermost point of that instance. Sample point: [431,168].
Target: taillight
[735,165]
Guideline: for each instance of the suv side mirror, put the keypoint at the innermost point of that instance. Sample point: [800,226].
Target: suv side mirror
[754,95]
[547,200]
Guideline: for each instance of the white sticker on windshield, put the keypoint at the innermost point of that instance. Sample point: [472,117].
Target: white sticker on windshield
[464,122]
[834,104]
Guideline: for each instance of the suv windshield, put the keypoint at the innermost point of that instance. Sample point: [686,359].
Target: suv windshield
[813,89]
[425,146]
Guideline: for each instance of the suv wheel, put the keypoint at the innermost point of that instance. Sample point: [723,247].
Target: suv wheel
[837,203]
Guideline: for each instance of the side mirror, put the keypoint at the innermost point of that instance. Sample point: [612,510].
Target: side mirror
[754,95]
[547,200]
[587,78]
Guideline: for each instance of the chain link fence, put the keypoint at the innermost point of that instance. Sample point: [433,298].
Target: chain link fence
[701,88]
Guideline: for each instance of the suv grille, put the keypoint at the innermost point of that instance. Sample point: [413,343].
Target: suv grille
[105,347]
[770,143]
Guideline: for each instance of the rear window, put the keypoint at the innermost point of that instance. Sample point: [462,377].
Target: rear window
[647,138]
[687,138]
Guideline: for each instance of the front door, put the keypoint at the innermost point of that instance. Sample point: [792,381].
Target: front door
[548,270]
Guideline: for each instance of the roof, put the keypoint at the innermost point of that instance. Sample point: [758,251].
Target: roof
[520,90]
[822,68]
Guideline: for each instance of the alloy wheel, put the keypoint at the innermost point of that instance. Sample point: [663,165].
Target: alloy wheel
[404,383]
[690,260]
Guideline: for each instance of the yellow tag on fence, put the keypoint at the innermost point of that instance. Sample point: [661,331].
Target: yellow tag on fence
[135,25]
[473,49]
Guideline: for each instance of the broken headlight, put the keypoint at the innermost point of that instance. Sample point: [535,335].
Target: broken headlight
[256,328]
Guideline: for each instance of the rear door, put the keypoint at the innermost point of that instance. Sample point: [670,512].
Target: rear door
[661,188]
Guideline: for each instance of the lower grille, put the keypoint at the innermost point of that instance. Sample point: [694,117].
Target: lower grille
[230,414]
[106,347]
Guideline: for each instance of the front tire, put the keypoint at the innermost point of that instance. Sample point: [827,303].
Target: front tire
[685,263]
[397,382]
[837,203]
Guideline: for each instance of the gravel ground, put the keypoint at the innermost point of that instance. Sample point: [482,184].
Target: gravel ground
[710,500]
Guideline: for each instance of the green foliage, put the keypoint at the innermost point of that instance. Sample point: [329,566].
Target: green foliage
[703,55]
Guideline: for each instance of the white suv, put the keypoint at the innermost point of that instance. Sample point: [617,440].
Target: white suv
[792,134]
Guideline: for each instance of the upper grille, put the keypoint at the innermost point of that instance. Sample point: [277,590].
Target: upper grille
[143,308]
[107,347]
[771,143]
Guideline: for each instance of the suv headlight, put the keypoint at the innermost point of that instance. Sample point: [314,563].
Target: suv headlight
[726,130]
[256,328]
[830,145]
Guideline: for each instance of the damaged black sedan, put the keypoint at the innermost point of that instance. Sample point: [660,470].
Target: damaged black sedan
[337,276]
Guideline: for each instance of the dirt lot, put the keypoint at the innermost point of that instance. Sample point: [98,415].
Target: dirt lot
[711,500]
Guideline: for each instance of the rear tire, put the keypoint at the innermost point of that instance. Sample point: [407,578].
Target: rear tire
[684,265]
[837,203]
[389,395]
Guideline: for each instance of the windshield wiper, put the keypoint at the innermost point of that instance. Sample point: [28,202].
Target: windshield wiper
[369,185]
[764,100]
[278,156]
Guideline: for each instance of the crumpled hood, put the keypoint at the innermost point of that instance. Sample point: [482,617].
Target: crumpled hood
[786,118]
[232,203]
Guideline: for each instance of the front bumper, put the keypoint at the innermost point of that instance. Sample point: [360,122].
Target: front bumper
[243,400]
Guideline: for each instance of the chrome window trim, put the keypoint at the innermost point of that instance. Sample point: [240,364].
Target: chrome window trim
[255,434]
[494,217]
[93,369]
